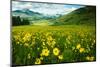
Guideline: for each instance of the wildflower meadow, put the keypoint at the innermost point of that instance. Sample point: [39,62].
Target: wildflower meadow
[53,44]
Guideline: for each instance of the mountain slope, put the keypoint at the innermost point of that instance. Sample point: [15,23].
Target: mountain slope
[85,15]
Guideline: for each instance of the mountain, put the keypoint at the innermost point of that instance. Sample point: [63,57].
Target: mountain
[25,13]
[85,15]
[31,15]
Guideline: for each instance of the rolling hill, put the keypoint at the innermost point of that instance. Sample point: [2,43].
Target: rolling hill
[85,15]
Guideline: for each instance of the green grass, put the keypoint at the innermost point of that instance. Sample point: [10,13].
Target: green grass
[69,28]
[82,16]
[53,44]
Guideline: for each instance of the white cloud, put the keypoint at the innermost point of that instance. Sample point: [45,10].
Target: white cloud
[45,8]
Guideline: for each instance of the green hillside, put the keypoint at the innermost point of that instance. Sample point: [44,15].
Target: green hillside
[85,15]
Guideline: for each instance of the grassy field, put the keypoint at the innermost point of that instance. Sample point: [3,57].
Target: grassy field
[53,44]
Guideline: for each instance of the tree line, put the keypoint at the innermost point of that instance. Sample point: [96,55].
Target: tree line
[17,20]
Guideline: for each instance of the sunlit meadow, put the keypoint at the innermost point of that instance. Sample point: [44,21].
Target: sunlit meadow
[53,44]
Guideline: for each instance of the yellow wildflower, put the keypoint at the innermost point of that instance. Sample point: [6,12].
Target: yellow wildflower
[87,58]
[78,46]
[49,43]
[43,43]
[91,58]
[81,50]
[29,56]
[56,51]
[45,52]
[16,37]
[94,41]
[18,42]
[67,40]
[49,38]
[60,57]
[26,37]
[53,42]
[38,61]
[42,39]
[26,44]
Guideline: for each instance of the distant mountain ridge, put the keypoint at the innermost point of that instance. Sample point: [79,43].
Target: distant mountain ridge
[25,13]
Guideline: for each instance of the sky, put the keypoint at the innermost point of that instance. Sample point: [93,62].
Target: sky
[45,8]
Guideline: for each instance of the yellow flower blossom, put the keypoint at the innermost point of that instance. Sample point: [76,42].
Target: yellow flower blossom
[81,50]
[38,61]
[90,58]
[87,58]
[42,39]
[48,33]
[26,44]
[49,38]
[43,43]
[78,46]
[18,42]
[45,52]
[60,57]
[53,42]
[16,37]
[94,41]
[49,43]
[29,56]
[26,37]
[56,51]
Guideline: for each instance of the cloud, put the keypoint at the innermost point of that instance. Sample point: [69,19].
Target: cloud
[21,5]
[45,8]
